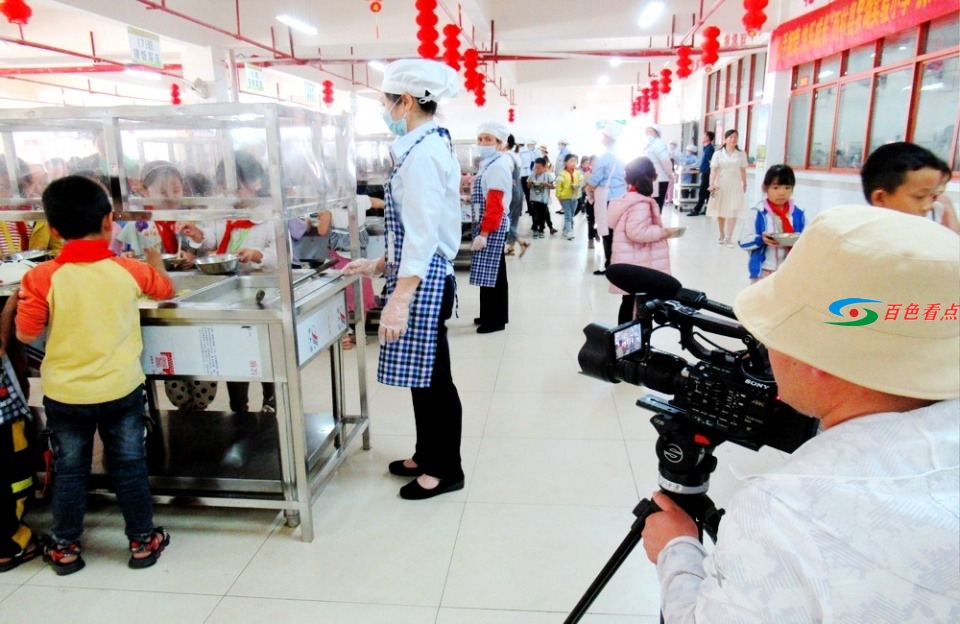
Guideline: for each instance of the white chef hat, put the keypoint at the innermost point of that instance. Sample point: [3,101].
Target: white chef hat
[494,129]
[530,142]
[564,140]
[428,81]
[611,130]
[655,128]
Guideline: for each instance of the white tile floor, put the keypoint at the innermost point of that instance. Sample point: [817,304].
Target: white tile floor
[555,462]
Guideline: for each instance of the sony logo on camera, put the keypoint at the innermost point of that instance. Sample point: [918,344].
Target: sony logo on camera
[756,384]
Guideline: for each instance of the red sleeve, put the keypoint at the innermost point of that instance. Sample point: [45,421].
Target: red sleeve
[151,282]
[493,213]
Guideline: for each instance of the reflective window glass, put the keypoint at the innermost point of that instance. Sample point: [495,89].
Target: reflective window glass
[891,101]
[944,33]
[797,125]
[730,78]
[935,125]
[851,124]
[829,69]
[759,73]
[898,47]
[824,107]
[744,87]
[860,59]
[803,76]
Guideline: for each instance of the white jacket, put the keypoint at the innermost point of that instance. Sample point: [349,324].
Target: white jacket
[859,526]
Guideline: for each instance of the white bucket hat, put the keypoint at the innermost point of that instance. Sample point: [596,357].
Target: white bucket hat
[494,129]
[611,130]
[868,295]
[428,81]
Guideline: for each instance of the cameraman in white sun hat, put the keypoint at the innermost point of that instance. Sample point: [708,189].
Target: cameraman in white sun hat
[861,523]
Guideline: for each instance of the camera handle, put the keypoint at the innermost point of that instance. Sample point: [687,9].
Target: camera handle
[697,505]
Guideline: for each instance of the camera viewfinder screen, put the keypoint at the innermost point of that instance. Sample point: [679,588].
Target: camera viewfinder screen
[628,340]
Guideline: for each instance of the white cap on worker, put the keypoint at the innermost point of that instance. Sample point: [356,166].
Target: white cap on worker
[611,130]
[494,129]
[428,81]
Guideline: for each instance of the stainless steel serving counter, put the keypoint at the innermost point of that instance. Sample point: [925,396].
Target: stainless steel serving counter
[237,328]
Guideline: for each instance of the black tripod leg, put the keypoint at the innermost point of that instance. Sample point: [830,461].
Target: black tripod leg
[641,511]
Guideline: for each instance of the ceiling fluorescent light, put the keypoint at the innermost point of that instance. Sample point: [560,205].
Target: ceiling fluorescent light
[296,24]
[146,74]
[377,66]
[603,80]
[650,13]
[616,62]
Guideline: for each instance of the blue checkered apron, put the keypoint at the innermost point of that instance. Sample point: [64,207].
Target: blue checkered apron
[486,262]
[408,362]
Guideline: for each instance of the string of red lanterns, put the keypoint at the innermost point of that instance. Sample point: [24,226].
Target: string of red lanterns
[684,64]
[710,47]
[427,35]
[665,80]
[480,90]
[754,17]
[471,60]
[16,12]
[175,94]
[375,7]
[510,115]
[451,46]
[654,90]
[327,92]
[645,100]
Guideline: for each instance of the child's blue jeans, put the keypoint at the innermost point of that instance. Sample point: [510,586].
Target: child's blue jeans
[122,427]
[569,207]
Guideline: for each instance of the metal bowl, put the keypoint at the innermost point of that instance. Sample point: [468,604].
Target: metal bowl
[172,262]
[218,264]
[33,255]
[786,239]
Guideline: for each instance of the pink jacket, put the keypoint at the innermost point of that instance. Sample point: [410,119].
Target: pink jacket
[638,234]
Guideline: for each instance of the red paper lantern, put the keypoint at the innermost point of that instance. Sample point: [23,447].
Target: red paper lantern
[451,46]
[471,60]
[645,100]
[654,90]
[754,17]
[633,108]
[16,12]
[665,80]
[327,92]
[510,116]
[427,35]
[683,61]
[709,47]
[175,94]
[376,7]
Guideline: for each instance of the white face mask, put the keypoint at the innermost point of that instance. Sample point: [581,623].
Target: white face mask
[487,151]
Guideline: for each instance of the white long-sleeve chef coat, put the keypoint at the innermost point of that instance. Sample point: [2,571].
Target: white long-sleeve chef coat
[859,526]
[426,192]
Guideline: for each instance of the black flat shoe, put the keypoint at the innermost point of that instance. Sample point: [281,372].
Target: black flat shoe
[414,491]
[489,329]
[476,321]
[600,272]
[397,468]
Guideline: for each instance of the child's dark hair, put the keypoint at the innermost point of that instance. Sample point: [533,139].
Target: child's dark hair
[75,206]
[640,174]
[779,174]
[540,161]
[887,167]
[249,170]
[568,157]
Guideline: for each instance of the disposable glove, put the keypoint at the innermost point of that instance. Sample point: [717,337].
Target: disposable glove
[479,243]
[369,267]
[395,317]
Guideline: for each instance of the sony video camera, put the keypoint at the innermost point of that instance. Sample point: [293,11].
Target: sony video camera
[726,395]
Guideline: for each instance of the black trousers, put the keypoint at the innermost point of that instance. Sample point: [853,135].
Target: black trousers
[526,193]
[239,391]
[704,193]
[437,409]
[591,221]
[607,249]
[495,300]
[540,215]
[627,307]
[661,198]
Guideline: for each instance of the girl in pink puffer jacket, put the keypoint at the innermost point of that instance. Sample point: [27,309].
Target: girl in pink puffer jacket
[639,237]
